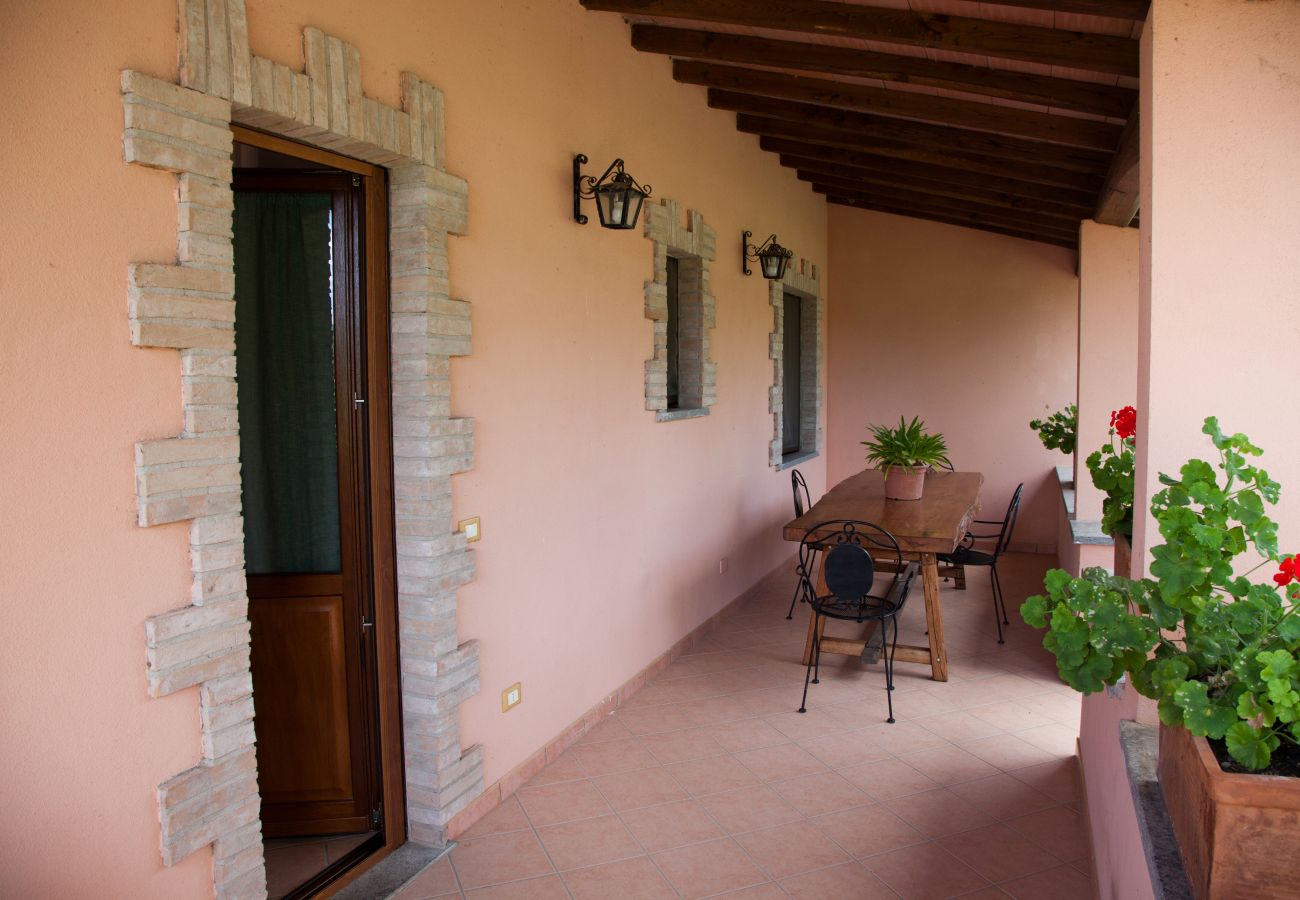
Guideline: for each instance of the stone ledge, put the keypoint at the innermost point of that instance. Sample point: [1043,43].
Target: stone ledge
[795,458]
[672,415]
[1141,745]
[1082,531]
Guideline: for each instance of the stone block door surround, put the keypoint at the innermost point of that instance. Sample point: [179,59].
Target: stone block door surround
[188,305]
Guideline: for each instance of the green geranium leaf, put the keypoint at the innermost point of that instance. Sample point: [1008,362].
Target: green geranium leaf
[1034,611]
[1252,747]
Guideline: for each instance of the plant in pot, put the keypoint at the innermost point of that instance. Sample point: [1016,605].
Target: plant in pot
[903,455]
[1058,431]
[1111,468]
[1218,652]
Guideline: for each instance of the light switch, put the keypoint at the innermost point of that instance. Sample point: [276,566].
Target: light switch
[511,696]
[470,528]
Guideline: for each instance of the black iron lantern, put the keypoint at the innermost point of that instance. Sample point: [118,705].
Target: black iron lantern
[617,194]
[771,257]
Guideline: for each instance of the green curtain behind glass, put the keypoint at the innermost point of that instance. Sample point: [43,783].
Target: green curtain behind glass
[284,339]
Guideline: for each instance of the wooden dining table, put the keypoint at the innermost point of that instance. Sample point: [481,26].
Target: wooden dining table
[923,528]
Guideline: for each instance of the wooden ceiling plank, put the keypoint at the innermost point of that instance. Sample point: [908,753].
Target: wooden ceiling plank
[928,153]
[874,128]
[1051,46]
[1133,10]
[1118,202]
[972,115]
[814,157]
[961,222]
[904,199]
[1063,93]
[820,170]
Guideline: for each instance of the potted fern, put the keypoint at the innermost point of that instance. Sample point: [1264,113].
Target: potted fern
[903,455]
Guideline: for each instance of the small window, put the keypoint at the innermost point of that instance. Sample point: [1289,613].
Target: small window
[674,335]
[792,363]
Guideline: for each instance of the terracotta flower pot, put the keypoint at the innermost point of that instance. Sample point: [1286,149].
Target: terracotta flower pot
[1240,834]
[905,483]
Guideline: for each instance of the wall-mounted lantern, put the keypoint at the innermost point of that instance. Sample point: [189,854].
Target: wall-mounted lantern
[618,196]
[771,257]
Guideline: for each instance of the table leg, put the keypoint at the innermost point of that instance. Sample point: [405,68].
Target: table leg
[934,617]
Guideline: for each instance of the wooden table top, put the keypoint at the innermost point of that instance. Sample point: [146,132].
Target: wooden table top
[933,524]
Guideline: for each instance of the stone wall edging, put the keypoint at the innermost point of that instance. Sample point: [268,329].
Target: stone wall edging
[806,282]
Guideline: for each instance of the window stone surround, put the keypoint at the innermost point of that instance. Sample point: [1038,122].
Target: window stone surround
[694,245]
[188,305]
[806,283]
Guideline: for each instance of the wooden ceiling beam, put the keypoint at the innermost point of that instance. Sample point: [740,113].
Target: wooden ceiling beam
[1118,202]
[1004,40]
[816,157]
[967,114]
[871,129]
[960,221]
[825,172]
[1133,10]
[929,154]
[905,199]
[1063,93]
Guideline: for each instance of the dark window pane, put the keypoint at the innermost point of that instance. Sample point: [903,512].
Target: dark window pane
[792,367]
[284,337]
[674,334]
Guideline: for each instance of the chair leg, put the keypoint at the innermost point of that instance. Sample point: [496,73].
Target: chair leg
[997,602]
[794,599]
[889,669]
[803,704]
[1002,598]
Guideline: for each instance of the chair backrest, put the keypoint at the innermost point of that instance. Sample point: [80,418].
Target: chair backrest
[1009,522]
[849,546]
[802,500]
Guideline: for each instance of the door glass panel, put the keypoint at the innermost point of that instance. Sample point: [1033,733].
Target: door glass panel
[284,337]
[792,347]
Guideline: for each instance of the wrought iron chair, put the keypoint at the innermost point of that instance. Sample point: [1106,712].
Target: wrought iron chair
[849,573]
[802,503]
[966,555]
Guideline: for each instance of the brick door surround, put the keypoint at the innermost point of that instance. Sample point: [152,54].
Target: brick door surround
[188,305]
[806,283]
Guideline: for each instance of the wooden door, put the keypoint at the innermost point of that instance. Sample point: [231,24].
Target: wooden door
[305,446]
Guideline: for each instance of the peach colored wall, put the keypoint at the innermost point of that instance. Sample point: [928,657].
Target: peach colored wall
[1219,279]
[972,331]
[603,530]
[1108,332]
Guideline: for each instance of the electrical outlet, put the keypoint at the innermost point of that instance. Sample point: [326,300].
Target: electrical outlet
[511,696]
[723,564]
[470,527]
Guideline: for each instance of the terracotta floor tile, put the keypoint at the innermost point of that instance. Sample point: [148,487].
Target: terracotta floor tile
[563,802]
[644,787]
[848,748]
[680,746]
[653,719]
[868,830]
[1059,830]
[772,700]
[779,762]
[937,813]
[1061,883]
[820,793]
[902,738]
[1012,715]
[925,872]
[791,849]
[998,853]
[612,756]
[851,881]
[709,711]
[548,887]
[814,723]
[746,734]
[566,768]
[700,870]
[705,664]
[1002,796]
[748,808]
[1061,740]
[1008,752]
[1058,779]
[713,775]
[768,891]
[885,779]
[437,880]
[630,879]
[588,842]
[950,765]
[610,728]
[508,816]
[499,857]
[670,825]
[960,726]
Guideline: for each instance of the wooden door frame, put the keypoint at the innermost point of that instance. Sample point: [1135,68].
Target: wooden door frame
[382,525]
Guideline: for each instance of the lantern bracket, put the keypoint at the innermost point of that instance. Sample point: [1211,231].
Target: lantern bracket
[584,186]
[769,249]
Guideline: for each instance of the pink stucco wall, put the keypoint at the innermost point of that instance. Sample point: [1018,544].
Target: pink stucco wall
[1108,309]
[1219,281]
[602,530]
[971,331]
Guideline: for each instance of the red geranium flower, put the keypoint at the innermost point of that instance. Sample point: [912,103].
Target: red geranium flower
[1124,422]
[1286,572]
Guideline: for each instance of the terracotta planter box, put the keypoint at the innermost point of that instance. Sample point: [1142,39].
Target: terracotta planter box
[1240,834]
[903,483]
